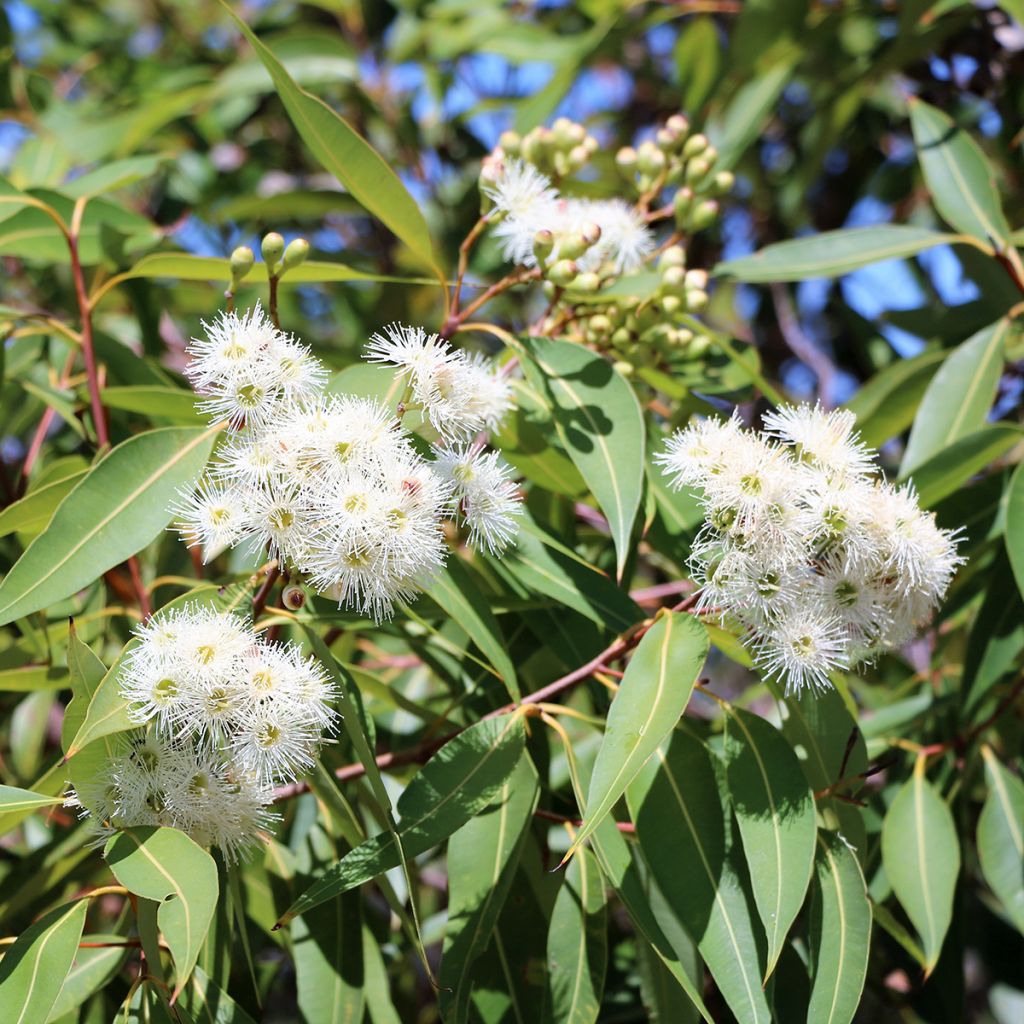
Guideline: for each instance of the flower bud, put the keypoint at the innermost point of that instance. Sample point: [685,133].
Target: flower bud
[673,277]
[591,233]
[296,253]
[600,324]
[242,260]
[577,133]
[510,142]
[293,598]
[588,282]
[673,256]
[723,182]
[678,124]
[704,215]
[696,278]
[591,145]
[682,203]
[624,368]
[650,159]
[665,140]
[578,156]
[272,248]
[625,160]
[695,145]
[696,300]
[697,170]
[620,337]
[543,243]
[700,344]
[563,272]
[671,304]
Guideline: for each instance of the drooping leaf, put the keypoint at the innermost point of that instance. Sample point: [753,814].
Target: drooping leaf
[945,472]
[207,1002]
[776,815]
[832,253]
[460,780]
[164,865]
[482,858]
[34,968]
[1001,837]
[681,819]
[958,175]
[1015,525]
[959,397]
[93,967]
[577,944]
[14,799]
[456,592]
[118,508]
[650,700]
[601,425]
[840,933]
[921,856]
[112,176]
[328,952]
[349,157]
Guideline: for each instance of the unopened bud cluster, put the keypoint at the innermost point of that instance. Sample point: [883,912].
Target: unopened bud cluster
[820,561]
[651,329]
[563,149]
[334,485]
[225,715]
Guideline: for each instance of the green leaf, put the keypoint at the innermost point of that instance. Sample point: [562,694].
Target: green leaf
[921,856]
[29,678]
[36,509]
[328,953]
[1015,525]
[959,397]
[840,930]
[118,508]
[887,403]
[959,176]
[34,968]
[112,176]
[775,810]
[482,858]
[832,253]
[543,566]
[92,969]
[686,837]
[14,799]
[154,401]
[457,593]
[651,698]
[460,780]
[206,1002]
[578,944]
[600,423]
[184,267]
[945,472]
[346,155]
[1001,837]
[164,865]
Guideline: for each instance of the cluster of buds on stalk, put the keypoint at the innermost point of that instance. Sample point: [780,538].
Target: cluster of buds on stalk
[278,257]
[563,149]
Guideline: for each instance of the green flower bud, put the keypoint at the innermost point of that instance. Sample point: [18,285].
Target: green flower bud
[588,282]
[697,170]
[678,124]
[671,304]
[578,156]
[510,142]
[624,368]
[600,324]
[242,260]
[696,279]
[296,253]
[272,248]
[673,256]
[672,279]
[696,300]
[695,145]
[650,160]
[563,272]
[621,337]
[682,204]
[699,345]
[704,215]
[665,140]
[591,145]
[723,182]
[543,243]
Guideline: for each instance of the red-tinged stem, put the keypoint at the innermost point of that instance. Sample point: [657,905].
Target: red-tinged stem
[141,593]
[88,353]
[623,826]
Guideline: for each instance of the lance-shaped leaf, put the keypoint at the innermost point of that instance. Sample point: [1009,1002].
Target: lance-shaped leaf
[959,397]
[36,509]
[600,423]
[578,944]
[119,507]
[921,857]
[93,967]
[164,865]
[653,693]
[456,592]
[14,799]
[482,858]
[840,933]
[944,473]
[1001,837]
[34,968]
[958,175]
[1015,525]
[328,953]
[686,837]
[832,253]
[775,810]
[350,158]
[206,1002]
[462,778]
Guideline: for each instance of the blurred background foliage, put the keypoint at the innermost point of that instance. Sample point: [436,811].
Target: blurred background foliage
[805,99]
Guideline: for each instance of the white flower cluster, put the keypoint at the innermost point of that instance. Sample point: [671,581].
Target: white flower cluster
[333,485]
[227,716]
[613,236]
[823,562]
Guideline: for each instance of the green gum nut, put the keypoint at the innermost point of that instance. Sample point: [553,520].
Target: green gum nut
[578,156]
[601,324]
[625,160]
[296,253]
[242,260]
[272,248]
[704,215]
[591,145]
[563,272]
[671,304]
[697,170]
[695,145]
[511,142]
[561,163]
[673,277]
[665,140]
[588,282]
[723,182]
[621,337]
[699,344]
[696,300]
[650,160]
[682,203]
[679,126]
[543,243]
[673,256]
[624,368]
